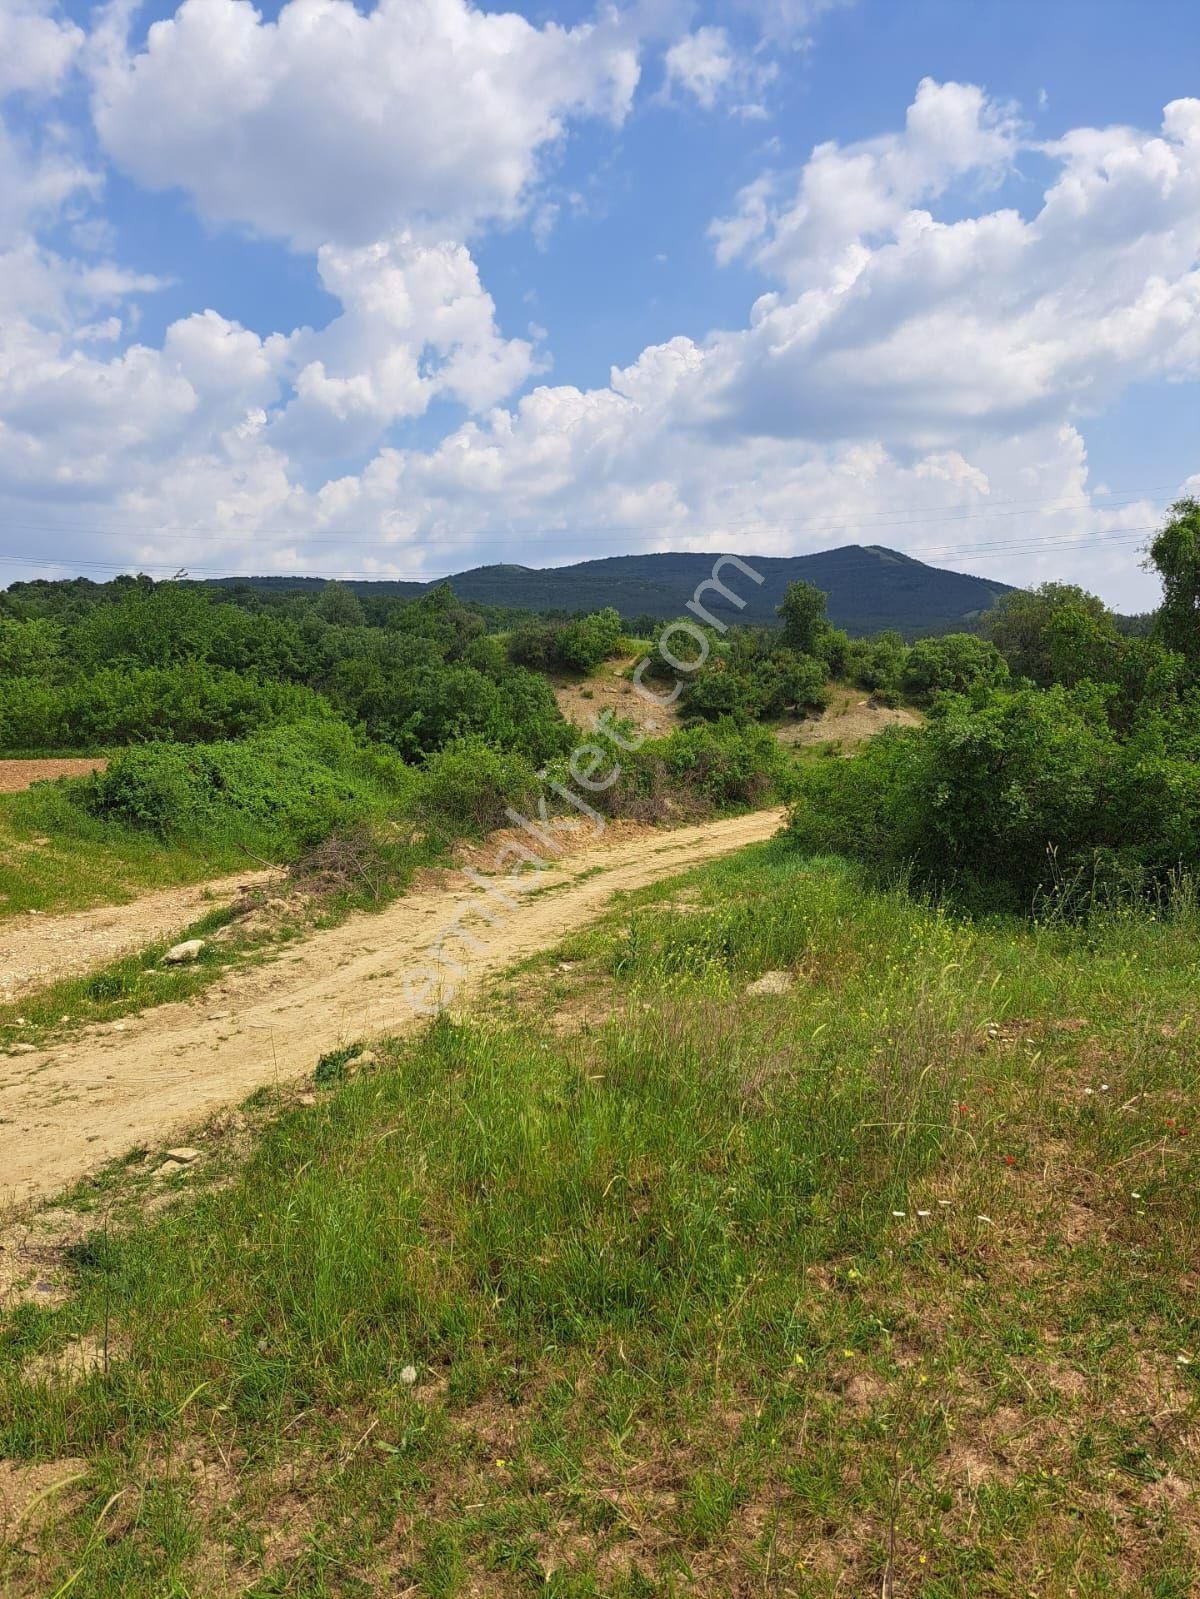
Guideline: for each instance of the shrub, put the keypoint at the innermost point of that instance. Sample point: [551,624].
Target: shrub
[468,786]
[576,646]
[192,703]
[726,764]
[286,789]
[1002,800]
[952,664]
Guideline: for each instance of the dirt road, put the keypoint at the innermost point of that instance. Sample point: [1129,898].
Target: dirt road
[36,950]
[18,775]
[65,1112]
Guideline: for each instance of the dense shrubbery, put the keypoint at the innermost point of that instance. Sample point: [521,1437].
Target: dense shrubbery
[169,661]
[286,789]
[1084,784]
[468,787]
[579,645]
[188,703]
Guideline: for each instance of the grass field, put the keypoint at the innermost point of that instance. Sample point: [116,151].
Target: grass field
[644,1285]
[53,858]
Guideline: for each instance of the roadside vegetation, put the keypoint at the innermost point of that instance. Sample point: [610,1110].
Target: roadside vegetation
[1075,780]
[645,1283]
[263,731]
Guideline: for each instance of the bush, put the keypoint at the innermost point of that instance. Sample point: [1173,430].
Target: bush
[1003,800]
[577,646]
[726,764]
[279,793]
[186,704]
[952,665]
[468,786]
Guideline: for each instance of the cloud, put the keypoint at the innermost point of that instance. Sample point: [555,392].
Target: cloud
[703,63]
[331,124]
[918,345]
[708,66]
[416,324]
[36,49]
[849,194]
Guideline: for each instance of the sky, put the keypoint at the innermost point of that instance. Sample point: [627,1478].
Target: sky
[394,290]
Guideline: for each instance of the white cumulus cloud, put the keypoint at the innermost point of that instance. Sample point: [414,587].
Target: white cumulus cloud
[333,124]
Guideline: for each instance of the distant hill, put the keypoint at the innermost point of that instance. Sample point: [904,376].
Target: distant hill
[870,588]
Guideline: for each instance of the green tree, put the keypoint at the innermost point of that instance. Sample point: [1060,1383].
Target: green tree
[1019,625]
[803,616]
[340,606]
[1175,555]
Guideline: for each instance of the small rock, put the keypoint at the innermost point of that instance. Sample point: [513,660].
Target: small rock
[187,951]
[366,1057]
[22,1049]
[307,1099]
[169,1167]
[219,1015]
[771,983]
[183,1155]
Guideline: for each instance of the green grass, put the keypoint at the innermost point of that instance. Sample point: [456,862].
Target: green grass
[54,858]
[884,1280]
[134,982]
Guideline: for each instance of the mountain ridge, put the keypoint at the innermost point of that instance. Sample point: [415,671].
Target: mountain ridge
[870,587]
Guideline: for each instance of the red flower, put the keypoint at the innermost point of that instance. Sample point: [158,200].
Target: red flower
[1010,1160]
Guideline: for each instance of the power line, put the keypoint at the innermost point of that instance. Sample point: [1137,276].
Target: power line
[908,517]
[977,553]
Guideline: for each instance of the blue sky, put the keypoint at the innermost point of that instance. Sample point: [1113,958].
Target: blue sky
[407,288]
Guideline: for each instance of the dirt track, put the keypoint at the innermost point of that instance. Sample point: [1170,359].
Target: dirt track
[18,775]
[67,1111]
[36,950]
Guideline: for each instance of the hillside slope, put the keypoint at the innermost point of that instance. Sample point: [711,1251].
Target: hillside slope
[870,588]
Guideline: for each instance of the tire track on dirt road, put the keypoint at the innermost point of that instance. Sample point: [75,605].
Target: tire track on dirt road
[67,1110]
[36,950]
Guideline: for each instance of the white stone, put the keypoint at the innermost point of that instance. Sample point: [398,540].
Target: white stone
[771,983]
[187,951]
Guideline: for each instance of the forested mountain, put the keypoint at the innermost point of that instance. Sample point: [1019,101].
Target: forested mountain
[870,588]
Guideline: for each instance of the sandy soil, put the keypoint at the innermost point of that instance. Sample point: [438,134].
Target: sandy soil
[65,1111]
[581,700]
[851,719]
[16,775]
[36,950]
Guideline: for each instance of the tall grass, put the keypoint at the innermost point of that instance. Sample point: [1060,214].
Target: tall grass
[646,1285]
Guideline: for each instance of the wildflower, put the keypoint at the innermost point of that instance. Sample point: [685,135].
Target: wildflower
[1089,1090]
[500,1464]
[1010,1160]
[1183,1360]
[408,1376]
[798,1359]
